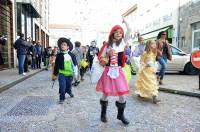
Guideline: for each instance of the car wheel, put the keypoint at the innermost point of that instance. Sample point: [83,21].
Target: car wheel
[190,69]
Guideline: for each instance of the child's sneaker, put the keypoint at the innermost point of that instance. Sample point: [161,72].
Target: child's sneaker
[71,95]
[76,83]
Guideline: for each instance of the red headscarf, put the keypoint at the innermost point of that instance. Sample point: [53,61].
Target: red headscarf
[116,27]
[105,44]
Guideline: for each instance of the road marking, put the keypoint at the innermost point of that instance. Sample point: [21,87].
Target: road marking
[196,59]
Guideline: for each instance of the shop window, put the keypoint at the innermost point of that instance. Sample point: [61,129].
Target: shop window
[196,40]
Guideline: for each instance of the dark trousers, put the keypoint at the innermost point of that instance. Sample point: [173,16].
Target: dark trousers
[65,85]
[26,64]
[82,71]
[33,65]
[91,62]
[38,61]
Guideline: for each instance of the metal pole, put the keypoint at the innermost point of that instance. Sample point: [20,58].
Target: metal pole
[199,79]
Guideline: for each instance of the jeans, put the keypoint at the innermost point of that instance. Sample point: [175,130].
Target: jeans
[33,65]
[163,63]
[26,64]
[21,60]
[65,85]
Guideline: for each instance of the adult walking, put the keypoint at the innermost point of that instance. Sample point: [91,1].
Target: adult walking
[78,54]
[38,54]
[92,51]
[163,54]
[33,49]
[21,46]
[138,51]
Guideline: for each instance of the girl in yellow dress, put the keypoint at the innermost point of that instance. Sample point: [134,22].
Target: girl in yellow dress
[146,84]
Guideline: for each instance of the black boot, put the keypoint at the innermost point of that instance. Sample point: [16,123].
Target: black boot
[120,115]
[104,105]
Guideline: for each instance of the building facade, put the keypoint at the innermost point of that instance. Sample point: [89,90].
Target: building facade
[190,25]
[148,19]
[30,17]
[33,19]
[179,18]
[74,32]
[7,30]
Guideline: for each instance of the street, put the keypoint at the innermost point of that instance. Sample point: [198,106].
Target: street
[32,105]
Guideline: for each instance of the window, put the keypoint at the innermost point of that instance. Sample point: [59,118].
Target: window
[175,51]
[195,1]
[196,40]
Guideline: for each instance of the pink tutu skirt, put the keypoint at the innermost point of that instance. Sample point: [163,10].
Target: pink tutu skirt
[112,87]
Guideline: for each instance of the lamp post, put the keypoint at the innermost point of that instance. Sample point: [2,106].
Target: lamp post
[179,20]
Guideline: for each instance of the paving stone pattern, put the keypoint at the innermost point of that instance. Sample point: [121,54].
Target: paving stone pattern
[32,106]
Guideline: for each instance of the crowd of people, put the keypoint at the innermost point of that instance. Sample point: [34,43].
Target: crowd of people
[69,64]
[31,54]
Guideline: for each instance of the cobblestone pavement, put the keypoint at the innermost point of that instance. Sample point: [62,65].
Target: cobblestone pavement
[32,106]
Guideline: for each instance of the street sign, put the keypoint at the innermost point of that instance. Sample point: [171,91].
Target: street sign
[195,59]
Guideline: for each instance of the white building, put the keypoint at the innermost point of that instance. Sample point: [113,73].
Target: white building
[148,18]
[179,18]
[73,32]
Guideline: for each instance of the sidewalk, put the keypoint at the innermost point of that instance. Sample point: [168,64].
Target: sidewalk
[178,84]
[181,84]
[10,77]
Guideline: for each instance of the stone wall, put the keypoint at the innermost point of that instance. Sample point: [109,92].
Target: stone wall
[189,14]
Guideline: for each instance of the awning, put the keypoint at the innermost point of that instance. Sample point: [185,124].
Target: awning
[153,34]
[35,13]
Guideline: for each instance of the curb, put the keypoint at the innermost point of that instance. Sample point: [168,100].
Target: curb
[191,94]
[9,85]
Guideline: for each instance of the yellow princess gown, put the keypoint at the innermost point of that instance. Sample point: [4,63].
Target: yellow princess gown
[146,83]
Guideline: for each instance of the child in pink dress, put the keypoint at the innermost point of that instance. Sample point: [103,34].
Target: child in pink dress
[113,81]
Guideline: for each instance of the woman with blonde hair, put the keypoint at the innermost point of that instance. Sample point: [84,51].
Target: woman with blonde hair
[146,84]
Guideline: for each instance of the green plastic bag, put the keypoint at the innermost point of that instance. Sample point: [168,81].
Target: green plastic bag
[84,63]
[127,72]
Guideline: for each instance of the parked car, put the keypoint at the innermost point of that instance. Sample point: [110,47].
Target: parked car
[181,62]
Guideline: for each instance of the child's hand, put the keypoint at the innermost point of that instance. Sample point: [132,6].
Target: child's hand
[124,21]
[53,77]
[110,53]
[103,61]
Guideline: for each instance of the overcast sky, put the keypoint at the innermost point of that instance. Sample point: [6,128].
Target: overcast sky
[89,14]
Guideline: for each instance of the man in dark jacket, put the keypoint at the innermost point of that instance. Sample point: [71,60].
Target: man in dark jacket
[39,52]
[21,46]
